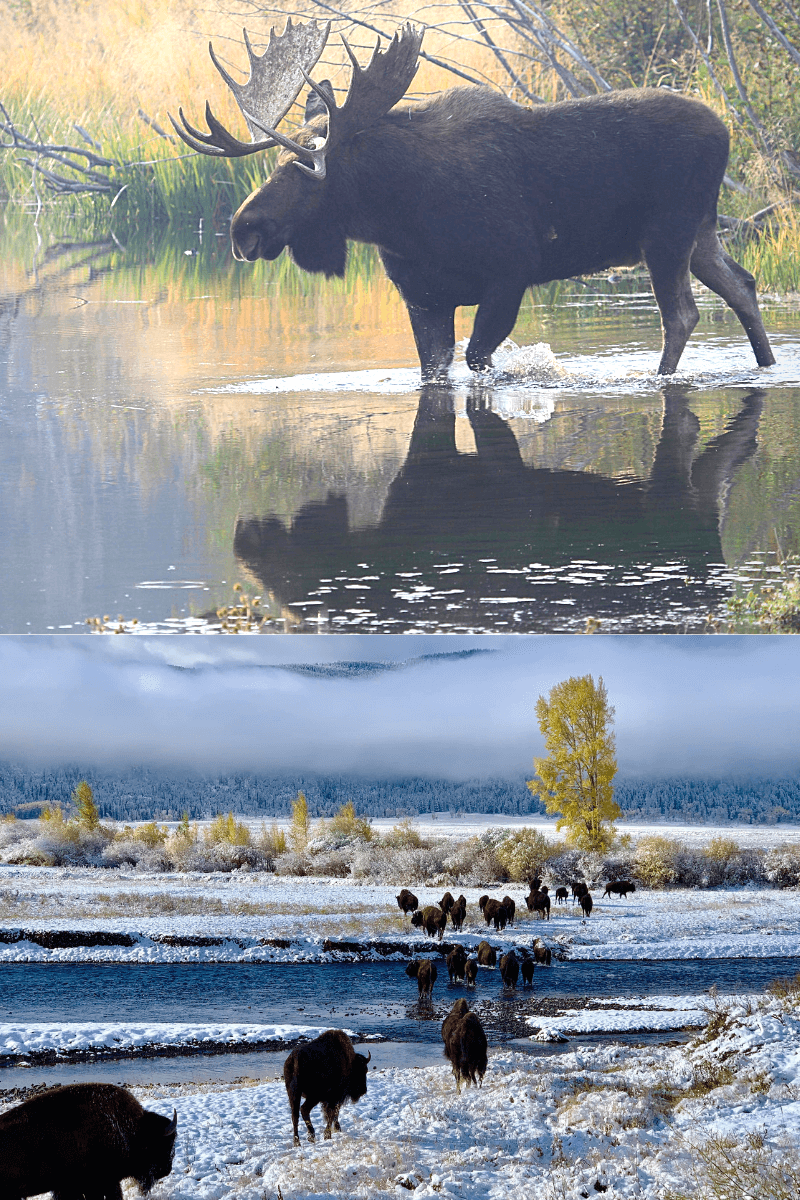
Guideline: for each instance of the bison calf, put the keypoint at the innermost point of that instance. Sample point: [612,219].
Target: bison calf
[527,967]
[471,971]
[326,1071]
[81,1141]
[465,1044]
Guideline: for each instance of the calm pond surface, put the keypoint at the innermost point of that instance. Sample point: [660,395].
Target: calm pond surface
[177,423]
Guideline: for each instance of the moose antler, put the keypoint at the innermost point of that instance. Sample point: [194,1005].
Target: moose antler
[273,87]
[276,77]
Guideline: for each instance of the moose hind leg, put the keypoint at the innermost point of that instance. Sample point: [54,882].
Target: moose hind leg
[737,287]
[673,292]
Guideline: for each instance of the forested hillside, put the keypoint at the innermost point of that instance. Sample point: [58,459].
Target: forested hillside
[145,793]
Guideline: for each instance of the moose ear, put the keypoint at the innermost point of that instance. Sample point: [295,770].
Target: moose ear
[315,105]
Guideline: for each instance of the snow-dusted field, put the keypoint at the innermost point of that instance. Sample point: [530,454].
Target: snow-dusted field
[247,911]
[628,1124]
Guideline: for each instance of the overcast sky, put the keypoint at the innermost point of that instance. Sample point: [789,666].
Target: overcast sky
[684,705]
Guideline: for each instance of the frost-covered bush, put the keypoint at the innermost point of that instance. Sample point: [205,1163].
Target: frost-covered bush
[782,865]
[655,861]
[746,867]
[475,862]
[335,862]
[524,854]
[565,867]
[292,863]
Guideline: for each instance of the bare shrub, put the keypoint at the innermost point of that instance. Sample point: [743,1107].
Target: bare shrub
[728,1168]
[475,862]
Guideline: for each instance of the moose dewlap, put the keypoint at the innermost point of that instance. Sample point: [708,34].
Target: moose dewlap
[471,198]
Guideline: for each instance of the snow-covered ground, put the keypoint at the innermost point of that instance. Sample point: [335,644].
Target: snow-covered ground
[632,1124]
[248,911]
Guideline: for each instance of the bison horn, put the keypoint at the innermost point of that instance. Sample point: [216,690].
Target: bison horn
[369,1055]
[173,1125]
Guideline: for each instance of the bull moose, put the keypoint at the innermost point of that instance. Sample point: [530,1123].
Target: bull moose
[326,1071]
[471,198]
[82,1140]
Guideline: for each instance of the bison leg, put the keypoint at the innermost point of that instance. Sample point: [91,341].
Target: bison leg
[494,320]
[331,1120]
[305,1113]
[737,287]
[669,275]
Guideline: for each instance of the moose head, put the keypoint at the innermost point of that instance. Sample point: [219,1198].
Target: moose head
[299,207]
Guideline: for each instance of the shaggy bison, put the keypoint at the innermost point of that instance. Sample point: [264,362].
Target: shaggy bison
[471,199]
[495,911]
[446,903]
[458,913]
[484,900]
[432,920]
[509,969]
[471,971]
[464,1044]
[407,901]
[579,889]
[587,904]
[620,887]
[326,1071]
[487,955]
[527,966]
[561,895]
[81,1141]
[539,902]
[456,964]
[511,909]
[425,973]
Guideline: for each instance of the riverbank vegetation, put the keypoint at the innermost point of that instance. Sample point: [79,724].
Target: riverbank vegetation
[347,847]
[95,141]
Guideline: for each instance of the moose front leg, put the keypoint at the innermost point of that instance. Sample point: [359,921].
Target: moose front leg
[494,320]
[434,333]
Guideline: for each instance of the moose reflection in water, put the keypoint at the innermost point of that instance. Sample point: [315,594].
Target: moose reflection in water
[469,510]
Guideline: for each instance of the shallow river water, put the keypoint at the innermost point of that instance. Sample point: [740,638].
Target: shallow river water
[370,999]
[178,423]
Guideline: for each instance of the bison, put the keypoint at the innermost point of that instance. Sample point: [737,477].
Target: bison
[510,907]
[539,902]
[543,954]
[561,895]
[456,964]
[579,889]
[458,913]
[407,901]
[471,199]
[487,955]
[425,973]
[81,1141]
[432,920]
[509,969]
[494,911]
[471,971]
[527,968]
[620,887]
[326,1071]
[465,1044]
[484,900]
[587,904]
[446,903]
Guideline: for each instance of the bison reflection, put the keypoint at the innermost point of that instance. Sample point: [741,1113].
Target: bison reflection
[449,506]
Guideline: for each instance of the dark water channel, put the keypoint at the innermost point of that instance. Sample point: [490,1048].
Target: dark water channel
[371,999]
[176,425]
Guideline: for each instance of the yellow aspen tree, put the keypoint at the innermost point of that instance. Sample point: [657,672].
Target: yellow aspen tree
[575,779]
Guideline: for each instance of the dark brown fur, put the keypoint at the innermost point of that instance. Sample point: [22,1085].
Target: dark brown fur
[446,903]
[458,913]
[425,973]
[620,887]
[509,969]
[587,904]
[326,1071]
[407,901]
[432,920]
[465,1044]
[527,968]
[487,955]
[471,199]
[471,972]
[456,964]
[82,1140]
